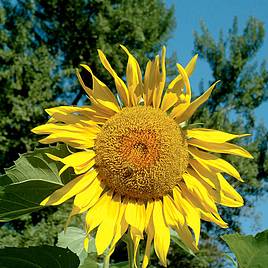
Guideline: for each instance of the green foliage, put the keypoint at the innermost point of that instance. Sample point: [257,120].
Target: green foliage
[28,82]
[90,261]
[229,59]
[77,29]
[250,251]
[73,239]
[33,177]
[38,228]
[43,257]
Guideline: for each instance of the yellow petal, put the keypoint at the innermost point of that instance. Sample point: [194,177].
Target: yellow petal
[160,80]
[97,213]
[192,215]
[134,78]
[178,82]
[228,195]
[73,114]
[86,243]
[149,84]
[162,234]
[120,85]
[148,212]
[169,99]
[199,191]
[175,87]
[176,220]
[206,205]
[189,111]
[135,215]
[191,65]
[172,215]
[69,118]
[211,135]
[136,237]
[95,105]
[106,230]
[80,161]
[214,163]
[70,189]
[88,197]
[72,128]
[178,110]
[186,82]
[205,173]
[219,189]
[149,231]
[225,147]
[80,142]
[147,254]
[69,110]
[208,216]
[76,135]
[121,227]
[102,93]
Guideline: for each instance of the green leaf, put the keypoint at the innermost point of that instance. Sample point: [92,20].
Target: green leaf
[43,257]
[37,166]
[90,261]
[73,238]
[4,180]
[22,198]
[250,251]
[33,177]
[176,239]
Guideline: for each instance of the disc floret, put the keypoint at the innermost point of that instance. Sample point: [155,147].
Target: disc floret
[141,153]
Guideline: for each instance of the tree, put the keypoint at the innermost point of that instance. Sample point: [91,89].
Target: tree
[28,83]
[75,30]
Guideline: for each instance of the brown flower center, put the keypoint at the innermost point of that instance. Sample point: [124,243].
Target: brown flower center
[141,153]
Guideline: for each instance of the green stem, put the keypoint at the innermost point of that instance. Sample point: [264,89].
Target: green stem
[130,249]
[106,263]
[138,260]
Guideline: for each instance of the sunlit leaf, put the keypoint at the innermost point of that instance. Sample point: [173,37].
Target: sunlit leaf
[90,261]
[73,238]
[33,177]
[250,251]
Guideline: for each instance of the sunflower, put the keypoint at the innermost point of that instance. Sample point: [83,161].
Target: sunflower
[140,168]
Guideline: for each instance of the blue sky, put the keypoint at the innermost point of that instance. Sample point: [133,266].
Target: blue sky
[217,15]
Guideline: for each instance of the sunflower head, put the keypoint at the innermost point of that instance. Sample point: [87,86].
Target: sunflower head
[141,153]
[137,168]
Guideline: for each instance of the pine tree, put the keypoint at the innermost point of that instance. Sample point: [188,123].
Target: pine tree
[28,83]
[76,29]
